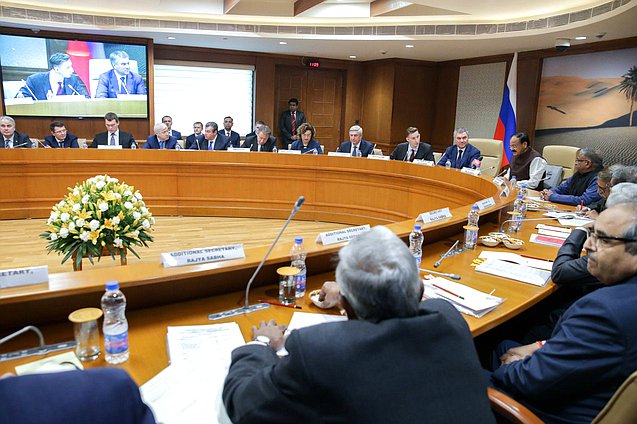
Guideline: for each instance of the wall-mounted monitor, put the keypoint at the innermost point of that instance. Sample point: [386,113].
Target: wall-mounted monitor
[58,77]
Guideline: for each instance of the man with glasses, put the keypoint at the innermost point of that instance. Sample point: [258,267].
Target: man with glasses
[581,188]
[60,138]
[606,180]
[593,348]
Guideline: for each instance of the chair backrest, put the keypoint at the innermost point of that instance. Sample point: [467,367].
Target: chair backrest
[491,151]
[554,175]
[622,407]
[97,67]
[511,410]
[437,156]
[563,156]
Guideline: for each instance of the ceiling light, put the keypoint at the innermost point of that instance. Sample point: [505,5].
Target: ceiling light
[581,37]
[409,46]
[172,38]
[352,56]
[283,43]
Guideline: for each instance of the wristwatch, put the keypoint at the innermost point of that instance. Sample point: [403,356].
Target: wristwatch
[262,340]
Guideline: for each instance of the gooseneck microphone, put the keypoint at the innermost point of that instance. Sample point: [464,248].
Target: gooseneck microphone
[27,87]
[75,92]
[474,165]
[536,219]
[246,308]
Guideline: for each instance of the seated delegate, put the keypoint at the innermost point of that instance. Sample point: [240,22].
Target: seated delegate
[581,188]
[356,146]
[60,137]
[306,142]
[461,154]
[161,139]
[12,139]
[412,148]
[262,141]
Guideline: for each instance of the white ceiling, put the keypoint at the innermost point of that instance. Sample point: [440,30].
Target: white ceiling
[615,24]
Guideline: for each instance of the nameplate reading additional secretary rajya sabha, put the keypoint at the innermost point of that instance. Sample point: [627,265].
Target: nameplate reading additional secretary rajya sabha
[203,255]
[339,236]
[24,276]
[431,216]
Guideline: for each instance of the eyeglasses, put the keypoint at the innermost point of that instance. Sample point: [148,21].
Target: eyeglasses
[602,190]
[582,160]
[604,241]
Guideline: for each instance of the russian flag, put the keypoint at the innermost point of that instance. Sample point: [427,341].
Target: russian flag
[506,120]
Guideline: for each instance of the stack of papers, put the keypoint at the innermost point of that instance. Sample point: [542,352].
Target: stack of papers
[553,231]
[518,259]
[569,219]
[522,273]
[307,319]
[465,299]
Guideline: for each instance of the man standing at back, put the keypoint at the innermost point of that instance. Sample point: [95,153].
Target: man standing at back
[232,136]
[113,136]
[356,146]
[396,360]
[168,121]
[461,154]
[290,121]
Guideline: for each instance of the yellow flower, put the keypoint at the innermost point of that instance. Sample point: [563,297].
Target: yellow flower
[84,214]
[108,224]
[110,196]
[94,235]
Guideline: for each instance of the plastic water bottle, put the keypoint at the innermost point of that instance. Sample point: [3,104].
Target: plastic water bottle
[415,244]
[133,145]
[471,230]
[514,181]
[448,164]
[275,150]
[519,208]
[358,153]
[523,191]
[230,147]
[84,145]
[315,152]
[297,254]
[477,168]
[34,144]
[115,327]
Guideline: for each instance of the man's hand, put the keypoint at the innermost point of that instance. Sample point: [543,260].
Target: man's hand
[545,194]
[271,330]
[330,295]
[518,353]
[592,214]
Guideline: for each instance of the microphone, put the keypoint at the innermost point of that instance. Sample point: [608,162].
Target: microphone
[448,253]
[27,87]
[502,173]
[75,92]
[309,151]
[20,145]
[443,274]
[133,144]
[246,308]
[474,165]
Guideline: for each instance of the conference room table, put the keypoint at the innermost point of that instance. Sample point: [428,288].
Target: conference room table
[161,297]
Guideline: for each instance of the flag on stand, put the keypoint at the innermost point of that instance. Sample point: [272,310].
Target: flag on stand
[506,127]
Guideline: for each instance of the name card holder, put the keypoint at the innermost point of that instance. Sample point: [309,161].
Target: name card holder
[109,147]
[202,256]
[432,216]
[378,157]
[339,154]
[289,152]
[485,203]
[339,236]
[505,191]
[424,162]
[499,181]
[17,277]
[239,149]
[474,172]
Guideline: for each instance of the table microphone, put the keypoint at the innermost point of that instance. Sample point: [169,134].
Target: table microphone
[443,274]
[27,87]
[246,308]
[474,165]
[309,151]
[75,92]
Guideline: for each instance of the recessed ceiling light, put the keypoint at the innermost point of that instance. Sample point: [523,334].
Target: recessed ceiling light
[409,46]
[224,38]
[282,43]
[581,37]
[352,56]
[172,38]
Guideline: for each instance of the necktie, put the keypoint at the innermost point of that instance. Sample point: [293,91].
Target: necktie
[60,89]
[411,156]
[293,123]
[459,158]
[162,144]
[354,152]
[61,144]
[7,144]
[122,86]
[112,139]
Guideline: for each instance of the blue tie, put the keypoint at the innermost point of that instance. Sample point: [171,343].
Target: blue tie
[162,144]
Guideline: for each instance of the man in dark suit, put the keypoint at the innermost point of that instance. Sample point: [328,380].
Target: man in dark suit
[356,146]
[11,139]
[97,396]
[113,136]
[233,136]
[161,139]
[396,360]
[461,154]
[290,120]
[168,121]
[197,136]
[263,141]
[593,348]
[412,148]
[257,124]
[119,80]
[60,138]
[213,140]
[59,81]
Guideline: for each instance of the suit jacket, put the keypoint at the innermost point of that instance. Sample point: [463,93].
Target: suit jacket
[424,152]
[98,396]
[285,125]
[363,372]
[20,141]
[221,143]
[235,138]
[69,142]
[40,85]
[176,134]
[108,85]
[192,140]
[313,144]
[570,267]
[366,148]
[153,143]
[592,350]
[126,140]
[567,194]
[251,142]
[451,154]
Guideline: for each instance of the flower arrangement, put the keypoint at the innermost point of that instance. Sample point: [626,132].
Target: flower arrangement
[98,215]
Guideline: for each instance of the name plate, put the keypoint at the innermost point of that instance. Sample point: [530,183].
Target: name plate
[474,172]
[339,154]
[289,152]
[24,276]
[485,203]
[378,157]
[499,181]
[202,256]
[109,147]
[424,162]
[432,216]
[239,149]
[505,191]
[339,236]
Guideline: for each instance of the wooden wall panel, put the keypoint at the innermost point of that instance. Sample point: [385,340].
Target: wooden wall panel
[445,106]
[377,102]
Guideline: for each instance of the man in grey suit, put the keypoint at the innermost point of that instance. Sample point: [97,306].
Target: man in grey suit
[396,360]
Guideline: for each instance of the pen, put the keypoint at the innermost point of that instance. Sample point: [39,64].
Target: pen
[492,291]
[448,291]
[270,302]
[533,257]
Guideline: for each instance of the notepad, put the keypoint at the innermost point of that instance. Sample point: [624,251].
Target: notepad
[191,344]
[524,274]
[465,299]
[518,259]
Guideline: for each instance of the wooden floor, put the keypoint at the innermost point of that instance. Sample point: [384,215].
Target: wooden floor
[20,245]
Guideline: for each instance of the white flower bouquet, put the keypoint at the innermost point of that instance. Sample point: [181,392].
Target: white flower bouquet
[97,216]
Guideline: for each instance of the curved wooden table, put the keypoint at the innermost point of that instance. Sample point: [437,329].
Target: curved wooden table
[345,190]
